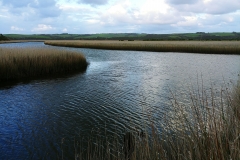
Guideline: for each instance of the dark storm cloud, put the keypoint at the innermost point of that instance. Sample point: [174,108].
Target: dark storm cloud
[94,2]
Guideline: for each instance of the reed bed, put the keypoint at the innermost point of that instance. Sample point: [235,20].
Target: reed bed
[206,129]
[27,63]
[206,47]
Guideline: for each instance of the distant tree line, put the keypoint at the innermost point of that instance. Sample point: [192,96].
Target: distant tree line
[130,36]
[3,38]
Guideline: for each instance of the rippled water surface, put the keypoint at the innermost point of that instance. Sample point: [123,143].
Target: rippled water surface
[41,118]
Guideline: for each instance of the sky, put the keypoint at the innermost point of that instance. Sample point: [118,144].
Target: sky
[118,16]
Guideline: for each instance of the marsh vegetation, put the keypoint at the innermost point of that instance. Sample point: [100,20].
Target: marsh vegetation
[27,63]
[208,128]
[206,47]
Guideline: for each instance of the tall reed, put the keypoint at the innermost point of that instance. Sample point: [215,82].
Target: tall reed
[207,128]
[206,47]
[29,63]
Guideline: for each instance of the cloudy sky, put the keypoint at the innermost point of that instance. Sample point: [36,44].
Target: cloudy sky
[118,16]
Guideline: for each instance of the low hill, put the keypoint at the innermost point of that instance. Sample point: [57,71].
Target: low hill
[130,36]
[3,38]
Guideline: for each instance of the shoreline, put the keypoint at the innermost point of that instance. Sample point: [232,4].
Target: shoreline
[20,41]
[204,47]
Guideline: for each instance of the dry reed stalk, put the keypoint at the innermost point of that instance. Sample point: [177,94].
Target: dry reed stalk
[207,47]
[207,128]
[29,63]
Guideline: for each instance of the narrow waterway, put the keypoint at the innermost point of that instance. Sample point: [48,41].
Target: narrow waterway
[40,119]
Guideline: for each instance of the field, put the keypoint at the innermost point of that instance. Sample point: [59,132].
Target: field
[74,36]
[218,36]
[17,64]
[206,47]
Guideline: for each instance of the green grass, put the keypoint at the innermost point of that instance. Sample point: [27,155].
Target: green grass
[206,47]
[218,36]
[223,34]
[192,35]
[208,128]
[174,36]
[73,36]
[18,64]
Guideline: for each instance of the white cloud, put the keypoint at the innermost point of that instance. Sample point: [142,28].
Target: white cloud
[206,6]
[149,16]
[43,8]
[188,22]
[182,1]
[75,8]
[4,16]
[65,30]
[14,28]
[42,28]
[152,11]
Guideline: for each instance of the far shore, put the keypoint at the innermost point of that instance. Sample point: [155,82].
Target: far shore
[20,41]
[205,47]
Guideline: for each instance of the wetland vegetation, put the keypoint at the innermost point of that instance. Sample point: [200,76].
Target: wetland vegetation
[206,47]
[27,63]
[208,128]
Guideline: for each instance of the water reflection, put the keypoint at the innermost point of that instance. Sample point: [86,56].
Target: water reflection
[114,94]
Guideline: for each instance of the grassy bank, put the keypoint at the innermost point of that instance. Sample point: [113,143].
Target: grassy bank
[207,128]
[27,63]
[207,47]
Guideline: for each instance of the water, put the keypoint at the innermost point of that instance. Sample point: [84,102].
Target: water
[41,118]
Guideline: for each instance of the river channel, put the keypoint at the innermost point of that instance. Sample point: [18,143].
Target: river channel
[41,119]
